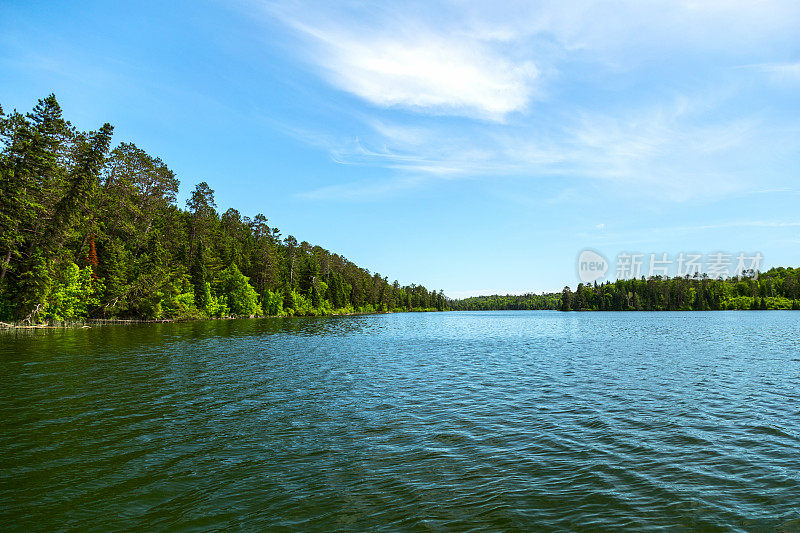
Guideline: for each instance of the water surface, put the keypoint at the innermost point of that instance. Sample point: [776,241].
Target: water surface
[512,421]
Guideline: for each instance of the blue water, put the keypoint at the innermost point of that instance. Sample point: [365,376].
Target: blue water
[505,421]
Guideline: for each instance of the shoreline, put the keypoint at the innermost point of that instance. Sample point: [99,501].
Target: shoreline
[90,322]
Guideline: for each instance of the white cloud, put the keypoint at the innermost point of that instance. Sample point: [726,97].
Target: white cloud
[477,57]
[530,72]
[422,70]
[487,59]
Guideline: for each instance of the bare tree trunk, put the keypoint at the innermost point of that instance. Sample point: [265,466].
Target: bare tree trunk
[5,267]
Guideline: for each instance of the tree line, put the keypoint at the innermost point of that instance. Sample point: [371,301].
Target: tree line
[87,230]
[509,302]
[777,288]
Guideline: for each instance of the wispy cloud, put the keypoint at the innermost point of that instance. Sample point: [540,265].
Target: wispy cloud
[780,72]
[420,69]
[666,151]
[507,90]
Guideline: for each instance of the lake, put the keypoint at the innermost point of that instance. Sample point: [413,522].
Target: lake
[505,421]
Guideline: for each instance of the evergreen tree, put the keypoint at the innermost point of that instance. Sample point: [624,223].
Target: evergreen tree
[566,299]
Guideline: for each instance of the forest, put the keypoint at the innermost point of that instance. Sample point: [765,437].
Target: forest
[91,231]
[509,302]
[777,288]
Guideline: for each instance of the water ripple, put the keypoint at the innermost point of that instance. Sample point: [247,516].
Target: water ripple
[448,422]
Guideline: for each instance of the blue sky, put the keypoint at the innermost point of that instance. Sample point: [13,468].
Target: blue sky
[474,147]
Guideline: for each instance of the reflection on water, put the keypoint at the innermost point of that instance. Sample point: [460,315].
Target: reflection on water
[442,421]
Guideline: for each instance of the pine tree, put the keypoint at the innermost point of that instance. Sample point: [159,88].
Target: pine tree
[566,299]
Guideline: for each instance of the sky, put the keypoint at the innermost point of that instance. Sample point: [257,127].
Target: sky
[474,147]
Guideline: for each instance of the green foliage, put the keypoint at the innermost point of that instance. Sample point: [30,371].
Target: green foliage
[525,302]
[216,306]
[33,283]
[67,198]
[177,299]
[775,289]
[6,307]
[202,293]
[237,294]
[180,306]
[778,288]
[300,305]
[73,294]
[273,303]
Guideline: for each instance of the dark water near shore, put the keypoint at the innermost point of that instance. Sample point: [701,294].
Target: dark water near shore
[413,422]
